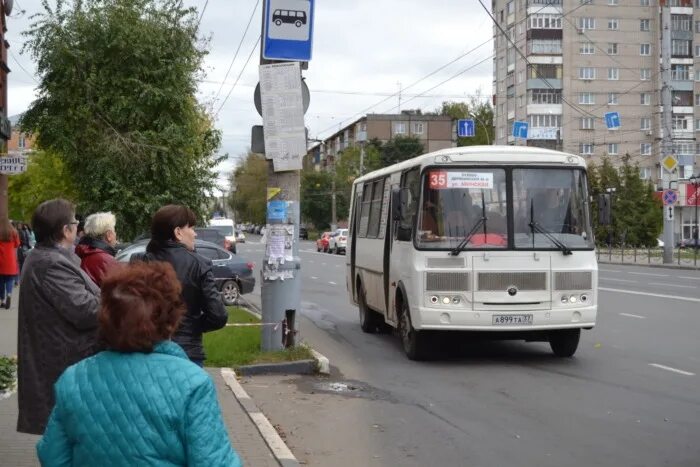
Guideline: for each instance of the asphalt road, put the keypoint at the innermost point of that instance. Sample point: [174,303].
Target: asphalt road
[629,397]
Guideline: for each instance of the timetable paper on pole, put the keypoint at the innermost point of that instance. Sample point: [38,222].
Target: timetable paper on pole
[283,115]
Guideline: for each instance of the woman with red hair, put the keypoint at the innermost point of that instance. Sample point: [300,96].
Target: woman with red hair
[141,399]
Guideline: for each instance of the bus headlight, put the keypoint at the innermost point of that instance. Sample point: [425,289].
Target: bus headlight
[573,299]
[564,299]
[434,299]
[446,300]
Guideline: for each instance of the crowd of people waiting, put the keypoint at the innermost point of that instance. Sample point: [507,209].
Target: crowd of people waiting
[110,355]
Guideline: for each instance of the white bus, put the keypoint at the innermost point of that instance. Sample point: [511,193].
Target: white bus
[483,238]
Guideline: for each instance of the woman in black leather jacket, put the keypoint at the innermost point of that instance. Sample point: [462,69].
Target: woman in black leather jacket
[172,241]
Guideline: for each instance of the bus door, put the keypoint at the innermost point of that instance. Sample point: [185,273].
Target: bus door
[354,224]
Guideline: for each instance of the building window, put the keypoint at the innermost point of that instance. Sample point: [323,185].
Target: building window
[510,7]
[418,128]
[22,143]
[645,124]
[680,72]
[644,49]
[612,149]
[613,73]
[697,50]
[586,98]
[679,123]
[520,101]
[697,99]
[400,128]
[587,123]
[643,24]
[586,23]
[545,121]
[521,77]
[586,73]
[645,149]
[585,149]
[544,21]
[686,148]
[612,2]
[680,47]
[544,46]
[587,48]
[645,74]
[645,98]
[612,98]
[644,2]
[544,96]
[612,48]
[645,173]
[680,22]
[613,24]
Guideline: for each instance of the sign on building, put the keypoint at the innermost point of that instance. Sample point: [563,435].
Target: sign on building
[13,165]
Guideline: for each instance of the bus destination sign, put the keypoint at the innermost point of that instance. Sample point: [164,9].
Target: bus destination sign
[443,179]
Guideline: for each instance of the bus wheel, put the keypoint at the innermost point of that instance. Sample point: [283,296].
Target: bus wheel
[413,341]
[369,319]
[564,342]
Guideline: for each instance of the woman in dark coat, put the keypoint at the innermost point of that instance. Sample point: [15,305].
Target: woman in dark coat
[58,306]
[172,241]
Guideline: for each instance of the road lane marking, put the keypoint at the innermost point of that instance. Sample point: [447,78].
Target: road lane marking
[634,292]
[630,315]
[608,270]
[675,370]
[691,278]
[332,283]
[616,280]
[648,274]
[314,277]
[673,285]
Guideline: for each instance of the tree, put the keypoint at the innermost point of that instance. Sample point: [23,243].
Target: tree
[316,189]
[248,200]
[399,149]
[480,112]
[116,102]
[46,178]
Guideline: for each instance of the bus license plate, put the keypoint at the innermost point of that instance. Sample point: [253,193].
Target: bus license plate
[511,320]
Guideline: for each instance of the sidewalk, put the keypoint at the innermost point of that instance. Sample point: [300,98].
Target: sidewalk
[18,450]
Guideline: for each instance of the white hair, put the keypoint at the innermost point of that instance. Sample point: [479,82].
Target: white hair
[96,225]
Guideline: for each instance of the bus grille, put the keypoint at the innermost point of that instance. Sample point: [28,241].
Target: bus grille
[579,280]
[447,281]
[491,281]
[445,263]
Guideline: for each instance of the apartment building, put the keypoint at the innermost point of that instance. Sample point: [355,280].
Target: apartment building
[434,131]
[585,58]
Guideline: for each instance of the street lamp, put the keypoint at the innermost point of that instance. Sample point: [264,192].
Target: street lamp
[695,181]
[486,129]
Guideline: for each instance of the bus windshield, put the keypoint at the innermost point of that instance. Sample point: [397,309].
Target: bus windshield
[467,209]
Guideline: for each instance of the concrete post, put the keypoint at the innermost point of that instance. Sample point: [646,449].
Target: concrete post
[666,122]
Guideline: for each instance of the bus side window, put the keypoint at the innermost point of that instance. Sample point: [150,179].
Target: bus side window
[411,182]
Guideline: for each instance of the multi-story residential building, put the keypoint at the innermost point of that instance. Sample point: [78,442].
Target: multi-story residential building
[588,57]
[434,131]
[19,143]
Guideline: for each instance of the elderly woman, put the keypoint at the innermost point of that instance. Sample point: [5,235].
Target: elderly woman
[58,306]
[141,401]
[172,241]
[96,248]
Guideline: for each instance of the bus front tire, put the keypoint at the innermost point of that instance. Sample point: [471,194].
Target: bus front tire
[369,319]
[413,342]
[564,342]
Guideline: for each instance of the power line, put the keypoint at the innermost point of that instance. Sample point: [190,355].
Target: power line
[252,14]
[20,65]
[239,75]
[201,15]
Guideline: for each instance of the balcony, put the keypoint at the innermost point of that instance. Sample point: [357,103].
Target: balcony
[549,83]
[543,133]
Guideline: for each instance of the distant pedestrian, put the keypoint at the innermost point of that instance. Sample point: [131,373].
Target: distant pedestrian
[172,241]
[9,268]
[24,244]
[96,248]
[141,401]
[58,306]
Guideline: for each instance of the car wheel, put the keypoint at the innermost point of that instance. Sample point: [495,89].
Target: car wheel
[370,320]
[298,24]
[335,250]
[318,248]
[413,342]
[278,22]
[230,292]
[564,342]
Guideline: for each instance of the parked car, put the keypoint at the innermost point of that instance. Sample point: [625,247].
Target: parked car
[216,237]
[690,243]
[338,242]
[240,237]
[303,233]
[233,275]
[322,242]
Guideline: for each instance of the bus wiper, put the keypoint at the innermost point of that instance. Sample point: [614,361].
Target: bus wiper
[535,227]
[481,222]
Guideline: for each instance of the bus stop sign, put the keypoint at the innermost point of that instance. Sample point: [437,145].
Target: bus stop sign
[288,30]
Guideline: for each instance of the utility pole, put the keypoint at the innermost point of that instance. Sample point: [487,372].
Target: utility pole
[666,124]
[5,128]
[283,105]
[334,214]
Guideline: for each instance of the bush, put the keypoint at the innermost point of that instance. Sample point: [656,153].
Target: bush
[8,372]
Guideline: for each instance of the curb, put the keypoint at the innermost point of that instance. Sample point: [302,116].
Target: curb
[273,440]
[658,266]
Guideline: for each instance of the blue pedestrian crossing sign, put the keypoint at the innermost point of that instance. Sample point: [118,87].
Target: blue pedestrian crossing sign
[520,130]
[612,120]
[288,30]
[465,128]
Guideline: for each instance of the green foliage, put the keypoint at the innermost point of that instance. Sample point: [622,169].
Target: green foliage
[116,102]
[396,150]
[8,372]
[46,178]
[248,200]
[636,214]
[316,189]
[481,112]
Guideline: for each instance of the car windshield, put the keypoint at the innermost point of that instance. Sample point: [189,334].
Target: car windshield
[224,229]
[454,203]
[549,205]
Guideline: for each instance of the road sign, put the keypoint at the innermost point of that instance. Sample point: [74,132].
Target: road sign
[670,163]
[288,30]
[465,128]
[612,120]
[670,197]
[520,130]
[669,212]
[13,165]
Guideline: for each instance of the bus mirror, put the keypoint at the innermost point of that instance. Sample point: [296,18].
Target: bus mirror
[396,204]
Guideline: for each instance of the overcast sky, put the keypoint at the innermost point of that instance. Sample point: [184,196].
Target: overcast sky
[364,51]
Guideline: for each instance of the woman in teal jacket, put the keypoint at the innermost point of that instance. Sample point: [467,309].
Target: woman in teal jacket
[141,401]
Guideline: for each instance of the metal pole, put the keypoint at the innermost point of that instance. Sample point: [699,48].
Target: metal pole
[334,215]
[666,118]
[486,129]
